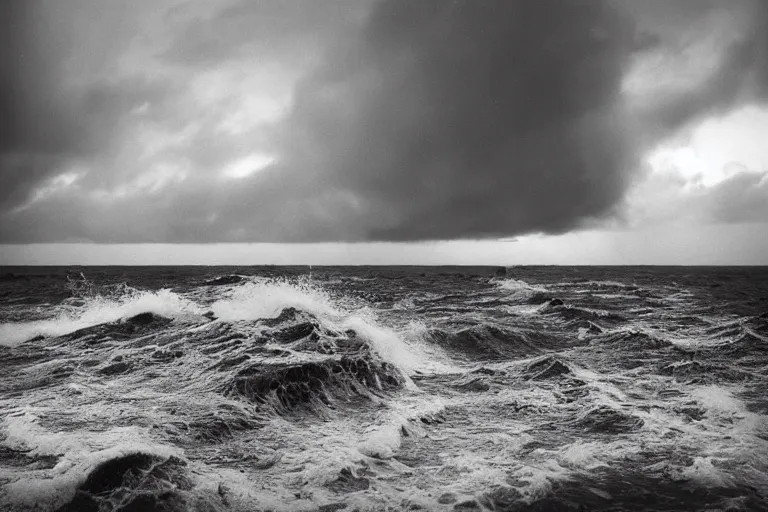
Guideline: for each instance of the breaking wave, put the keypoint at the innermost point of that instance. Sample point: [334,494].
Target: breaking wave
[95,310]
[265,298]
[383,390]
[520,290]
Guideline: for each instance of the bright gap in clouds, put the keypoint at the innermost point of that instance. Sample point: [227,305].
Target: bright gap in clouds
[248,165]
[717,149]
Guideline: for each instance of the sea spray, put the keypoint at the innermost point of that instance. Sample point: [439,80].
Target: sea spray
[97,309]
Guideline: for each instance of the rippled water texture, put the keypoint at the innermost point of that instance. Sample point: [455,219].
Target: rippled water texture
[213,389]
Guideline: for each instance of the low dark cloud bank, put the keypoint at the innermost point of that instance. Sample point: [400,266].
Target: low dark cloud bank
[476,118]
[430,120]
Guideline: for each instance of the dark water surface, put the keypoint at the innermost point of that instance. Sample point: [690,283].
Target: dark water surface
[383,388]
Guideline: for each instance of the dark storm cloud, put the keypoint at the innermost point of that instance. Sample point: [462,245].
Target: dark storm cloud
[266,29]
[449,120]
[47,123]
[741,75]
[35,125]
[424,119]
[68,100]
[475,118]
[479,119]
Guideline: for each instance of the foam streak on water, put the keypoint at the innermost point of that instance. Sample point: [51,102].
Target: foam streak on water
[383,389]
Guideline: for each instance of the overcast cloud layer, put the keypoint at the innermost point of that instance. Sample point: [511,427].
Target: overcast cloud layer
[345,120]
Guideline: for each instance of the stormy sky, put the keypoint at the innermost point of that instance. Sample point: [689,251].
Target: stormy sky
[418,123]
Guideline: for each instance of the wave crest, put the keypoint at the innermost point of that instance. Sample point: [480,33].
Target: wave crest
[98,309]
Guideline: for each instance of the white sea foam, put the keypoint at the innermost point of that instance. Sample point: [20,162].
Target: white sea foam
[585,455]
[703,472]
[468,443]
[23,433]
[389,345]
[382,442]
[613,296]
[718,400]
[539,478]
[59,488]
[97,310]
[518,289]
[383,438]
[266,298]
[80,453]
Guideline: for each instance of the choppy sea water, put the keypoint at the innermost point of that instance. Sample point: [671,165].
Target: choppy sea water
[400,388]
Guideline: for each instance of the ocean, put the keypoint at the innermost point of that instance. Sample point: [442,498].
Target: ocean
[383,388]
